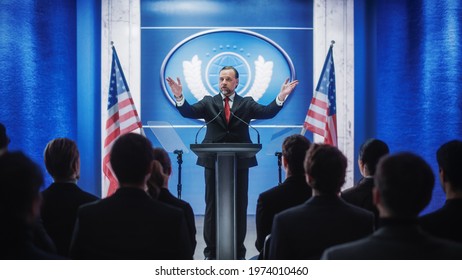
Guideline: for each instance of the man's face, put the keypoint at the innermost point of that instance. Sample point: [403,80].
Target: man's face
[228,82]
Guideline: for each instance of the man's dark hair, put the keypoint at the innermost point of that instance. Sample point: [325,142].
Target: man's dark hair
[61,155]
[162,157]
[294,149]
[449,157]
[4,140]
[131,158]
[20,182]
[236,74]
[405,183]
[327,166]
[370,153]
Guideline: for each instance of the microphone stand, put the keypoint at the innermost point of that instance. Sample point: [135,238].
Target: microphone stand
[179,157]
[279,155]
[258,133]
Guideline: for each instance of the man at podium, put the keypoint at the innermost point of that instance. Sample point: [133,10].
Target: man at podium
[227,116]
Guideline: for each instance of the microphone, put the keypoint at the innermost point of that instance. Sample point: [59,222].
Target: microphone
[258,134]
[195,140]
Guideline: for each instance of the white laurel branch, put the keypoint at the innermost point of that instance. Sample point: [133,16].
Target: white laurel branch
[192,74]
[263,74]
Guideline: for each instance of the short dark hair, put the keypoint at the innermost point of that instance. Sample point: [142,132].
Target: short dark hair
[161,155]
[294,149]
[60,156]
[131,158]
[236,74]
[370,153]
[157,180]
[20,182]
[4,140]
[327,166]
[449,157]
[405,183]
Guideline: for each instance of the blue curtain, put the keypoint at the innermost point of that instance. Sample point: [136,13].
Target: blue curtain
[418,102]
[38,73]
[50,77]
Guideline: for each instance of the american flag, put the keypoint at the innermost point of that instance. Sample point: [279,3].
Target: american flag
[321,116]
[122,118]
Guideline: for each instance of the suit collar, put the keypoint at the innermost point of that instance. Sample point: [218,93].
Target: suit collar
[231,98]
[236,102]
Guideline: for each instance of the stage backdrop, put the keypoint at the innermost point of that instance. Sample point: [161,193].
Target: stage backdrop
[50,75]
[418,105]
[193,41]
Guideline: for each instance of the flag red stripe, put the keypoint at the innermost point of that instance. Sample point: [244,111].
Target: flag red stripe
[128,115]
[111,137]
[112,119]
[113,183]
[126,102]
[314,129]
[319,102]
[317,116]
[131,128]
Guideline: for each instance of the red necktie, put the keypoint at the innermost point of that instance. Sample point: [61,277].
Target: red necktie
[227,110]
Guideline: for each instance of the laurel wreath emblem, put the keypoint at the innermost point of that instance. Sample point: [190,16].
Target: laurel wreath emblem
[192,73]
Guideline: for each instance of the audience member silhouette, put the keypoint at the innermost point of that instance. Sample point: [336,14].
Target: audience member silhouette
[4,140]
[305,231]
[158,186]
[130,224]
[63,197]
[20,182]
[293,191]
[360,195]
[403,187]
[40,237]
[446,222]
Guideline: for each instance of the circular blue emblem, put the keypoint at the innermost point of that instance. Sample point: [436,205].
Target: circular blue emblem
[262,64]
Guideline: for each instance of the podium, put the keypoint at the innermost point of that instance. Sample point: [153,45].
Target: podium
[226,155]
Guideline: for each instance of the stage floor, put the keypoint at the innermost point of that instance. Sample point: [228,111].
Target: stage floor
[249,239]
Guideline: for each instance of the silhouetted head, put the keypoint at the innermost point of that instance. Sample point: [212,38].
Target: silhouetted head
[370,153]
[157,180]
[20,182]
[325,168]
[4,139]
[449,157]
[405,184]
[131,159]
[294,149]
[162,156]
[62,159]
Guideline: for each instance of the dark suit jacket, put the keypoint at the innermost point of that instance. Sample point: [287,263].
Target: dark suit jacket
[130,225]
[218,131]
[445,222]
[293,191]
[16,242]
[305,231]
[361,195]
[396,242]
[59,211]
[166,197]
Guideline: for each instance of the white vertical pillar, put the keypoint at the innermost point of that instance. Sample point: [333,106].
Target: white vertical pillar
[334,20]
[121,24]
